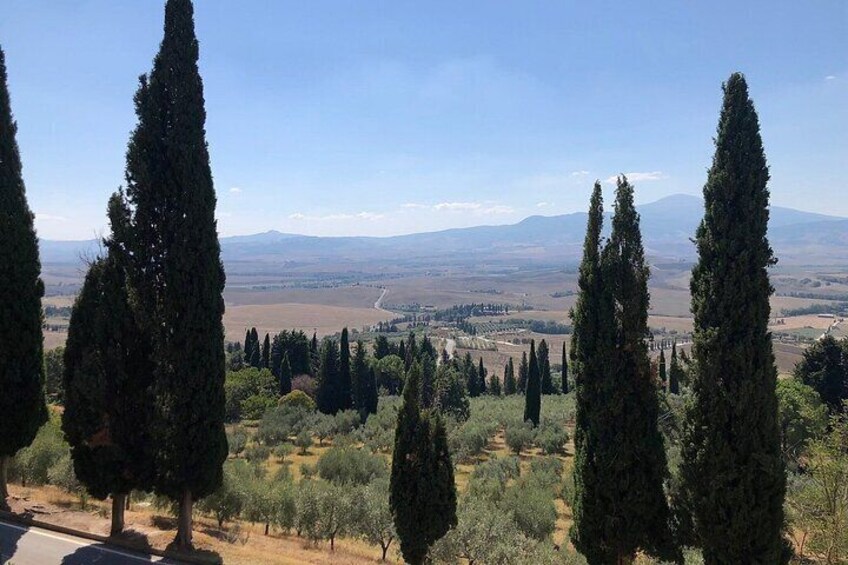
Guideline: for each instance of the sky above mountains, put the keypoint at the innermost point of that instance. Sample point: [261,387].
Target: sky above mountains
[385,117]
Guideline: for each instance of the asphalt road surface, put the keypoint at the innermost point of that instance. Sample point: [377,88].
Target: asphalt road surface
[20,545]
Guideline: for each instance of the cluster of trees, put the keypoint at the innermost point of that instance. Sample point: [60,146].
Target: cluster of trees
[143,382]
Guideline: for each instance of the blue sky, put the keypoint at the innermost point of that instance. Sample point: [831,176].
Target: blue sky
[378,118]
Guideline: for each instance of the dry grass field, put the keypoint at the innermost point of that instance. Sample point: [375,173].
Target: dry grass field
[273,318]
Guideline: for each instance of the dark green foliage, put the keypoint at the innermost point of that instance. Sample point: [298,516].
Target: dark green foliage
[545,368]
[481,377]
[662,369]
[294,345]
[423,493]
[428,380]
[564,370]
[591,343]
[381,347]
[389,373]
[451,396]
[825,368]
[523,369]
[629,465]
[108,378]
[285,376]
[364,384]
[345,387]
[509,384]
[494,385]
[329,387]
[266,352]
[533,395]
[22,402]
[168,228]
[254,356]
[472,377]
[674,371]
[732,470]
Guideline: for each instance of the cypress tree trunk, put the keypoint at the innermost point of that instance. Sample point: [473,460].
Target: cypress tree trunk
[119,504]
[184,522]
[22,404]
[732,471]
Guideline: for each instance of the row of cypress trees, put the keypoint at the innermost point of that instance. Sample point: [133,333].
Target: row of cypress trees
[730,503]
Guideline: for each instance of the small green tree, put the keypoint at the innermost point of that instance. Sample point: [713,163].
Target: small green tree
[824,367]
[376,524]
[533,395]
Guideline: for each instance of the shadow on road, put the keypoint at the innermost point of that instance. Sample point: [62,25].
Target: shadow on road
[102,554]
[9,537]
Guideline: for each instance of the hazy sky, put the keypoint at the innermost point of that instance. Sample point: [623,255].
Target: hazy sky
[385,117]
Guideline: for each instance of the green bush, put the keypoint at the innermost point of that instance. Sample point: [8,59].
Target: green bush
[242,385]
[349,465]
[551,438]
[255,406]
[297,399]
[282,451]
[237,440]
[303,441]
[257,453]
[518,436]
[533,510]
[278,424]
[31,465]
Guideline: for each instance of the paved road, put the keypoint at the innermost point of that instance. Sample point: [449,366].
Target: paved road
[20,545]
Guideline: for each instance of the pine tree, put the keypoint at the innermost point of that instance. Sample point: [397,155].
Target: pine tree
[248,345]
[662,369]
[22,402]
[510,386]
[422,490]
[732,471]
[824,366]
[176,273]
[285,375]
[329,385]
[523,369]
[674,371]
[472,377]
[108,384]
[564,370]
[266,352]
[494,385]
[545,368]
[345,387]
[428,380]
[481,377]
[533,396]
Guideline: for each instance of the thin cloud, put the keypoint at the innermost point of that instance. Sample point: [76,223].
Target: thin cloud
[235,190]
[542,204]
[830,77]
[579,173]
[457,206]
[640,177]
[297,216]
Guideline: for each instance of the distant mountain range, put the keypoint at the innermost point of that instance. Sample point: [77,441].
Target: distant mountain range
[667,226]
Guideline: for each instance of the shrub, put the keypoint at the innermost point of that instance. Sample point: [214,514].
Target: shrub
[551,438]
[303,441]
[227,502]
[32,464]
[298,399]
[237,440]
[345,422]
[533,510]
[306,384]
[257,453]
[518,436]
[240,386]
[254,406]
[278,424]
[282,451]
[349,465]
[468,440]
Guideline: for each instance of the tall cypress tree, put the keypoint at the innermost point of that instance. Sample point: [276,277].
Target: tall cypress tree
[329,387]
[633,503]
[108,383]
[481,376]
[523,369]
[177,272]
[732,470]
[674,371]
[22,403]
[364,383]
[422,490]
[510,386]
[592,342]
[564,370]
[545,368]
[285,375]
[345,387]
[533,396]
[266,352]
[662,369]
[255,355]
